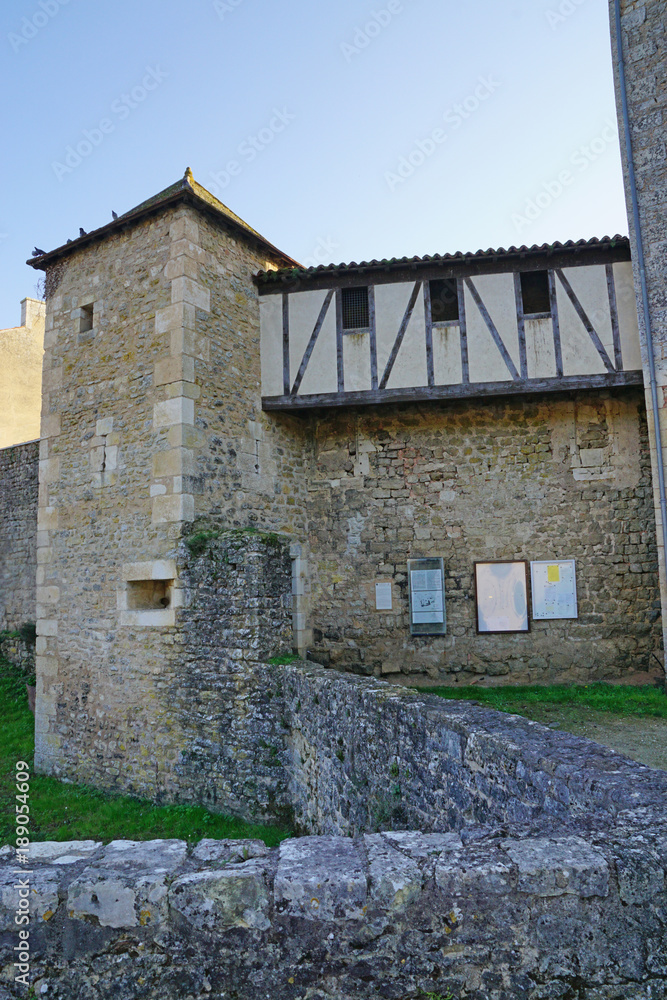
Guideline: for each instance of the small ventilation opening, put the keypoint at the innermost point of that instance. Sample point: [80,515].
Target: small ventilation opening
[86,320]
[535,292]
[149,595]
[444,300]
[355,308]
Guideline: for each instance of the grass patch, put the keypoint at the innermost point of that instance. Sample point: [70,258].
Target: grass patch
[281,661]
[639,700]
[60,811]
[198,541]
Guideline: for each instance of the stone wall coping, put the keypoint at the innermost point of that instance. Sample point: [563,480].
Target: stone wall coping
[237,884]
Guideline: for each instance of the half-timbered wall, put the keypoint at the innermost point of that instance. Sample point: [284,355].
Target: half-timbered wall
[586,337]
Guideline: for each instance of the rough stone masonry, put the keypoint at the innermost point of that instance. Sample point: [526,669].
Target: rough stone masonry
[568,901]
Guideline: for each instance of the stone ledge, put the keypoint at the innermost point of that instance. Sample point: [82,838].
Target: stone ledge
[383,914]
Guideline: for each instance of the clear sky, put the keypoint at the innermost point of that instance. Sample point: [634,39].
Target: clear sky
[342,131]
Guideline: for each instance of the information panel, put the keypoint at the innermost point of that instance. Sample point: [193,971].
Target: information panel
[502,596]
[554,587]
[427,596]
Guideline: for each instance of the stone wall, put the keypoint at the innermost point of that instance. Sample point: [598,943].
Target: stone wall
[21,352]
[396,916]
[562,478]
[644,31]
[18,534]
[224,698]
[363,755]
[151,424]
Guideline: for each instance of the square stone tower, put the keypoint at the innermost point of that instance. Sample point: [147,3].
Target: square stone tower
[151,424]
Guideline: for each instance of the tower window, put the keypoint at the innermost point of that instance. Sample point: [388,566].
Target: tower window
[444,300]
[355,310]
[535,292]
[86,318]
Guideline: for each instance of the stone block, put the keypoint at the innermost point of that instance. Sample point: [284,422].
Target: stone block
[395,880]
[235,896]
[546,868]
[178,410]
[321,880]
[177,508]
[476,872]
[187,290]
[640,875]
[229,851]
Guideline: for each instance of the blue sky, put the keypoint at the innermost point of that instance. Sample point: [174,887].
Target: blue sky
[341,131]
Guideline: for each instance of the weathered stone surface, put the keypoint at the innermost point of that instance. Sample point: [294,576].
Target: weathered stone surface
[228,851]
[19,467]
[236,896]
[321,879]
[500,918]
[476,871]
[40,889]
[63,853]
[641,875]
[365,756]
[546,868]
[395,880]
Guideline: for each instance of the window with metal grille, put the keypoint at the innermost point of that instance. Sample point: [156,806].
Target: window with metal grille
[444,300]
[535,292]
[354,303]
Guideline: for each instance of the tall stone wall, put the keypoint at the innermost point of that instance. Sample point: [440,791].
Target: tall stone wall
[644,32]
[521,479]
[18,534]
[149,428]
[225,699]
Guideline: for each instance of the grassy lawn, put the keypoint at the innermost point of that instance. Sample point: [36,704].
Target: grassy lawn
[643,701]
[61,811]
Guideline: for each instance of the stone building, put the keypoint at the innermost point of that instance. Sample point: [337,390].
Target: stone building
[327,425]
[641,98]
[21,349]
[196,380]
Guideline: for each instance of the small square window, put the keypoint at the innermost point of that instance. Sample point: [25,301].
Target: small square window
[444,300]
[535,292]
[355,310]
[149,595]
[86,318]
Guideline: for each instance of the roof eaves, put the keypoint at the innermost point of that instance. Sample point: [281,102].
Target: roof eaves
[389,264]
[185,189]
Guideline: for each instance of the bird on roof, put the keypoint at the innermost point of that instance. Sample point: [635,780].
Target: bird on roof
[114,215]
[37,252]
[82,232]
[69,241]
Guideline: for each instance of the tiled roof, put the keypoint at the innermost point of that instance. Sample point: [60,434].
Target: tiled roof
[285,273]
[185,189]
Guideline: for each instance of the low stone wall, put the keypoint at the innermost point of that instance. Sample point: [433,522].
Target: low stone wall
[364,755]
[18,534]
[395,915]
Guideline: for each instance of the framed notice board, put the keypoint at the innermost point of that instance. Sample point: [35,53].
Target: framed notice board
[426,579]
[554,589]
[501,592]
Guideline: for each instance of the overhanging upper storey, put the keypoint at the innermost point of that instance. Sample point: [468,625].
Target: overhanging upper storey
[523,320]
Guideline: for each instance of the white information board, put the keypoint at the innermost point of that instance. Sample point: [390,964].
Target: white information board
[501,590]
[554,587]
[427,596]
[383,597]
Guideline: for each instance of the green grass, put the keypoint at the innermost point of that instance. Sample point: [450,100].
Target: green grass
[643,700]
[282,661]
[60,811]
